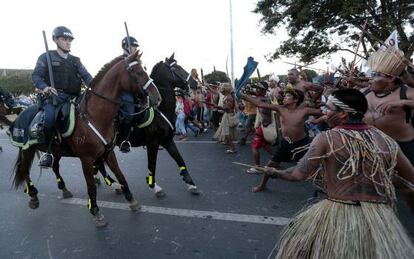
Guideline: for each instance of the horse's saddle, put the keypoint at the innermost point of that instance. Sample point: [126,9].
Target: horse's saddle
[28,129]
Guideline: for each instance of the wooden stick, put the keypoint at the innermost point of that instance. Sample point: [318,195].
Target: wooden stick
[260,168]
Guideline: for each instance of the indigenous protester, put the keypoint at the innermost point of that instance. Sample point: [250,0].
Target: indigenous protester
[129,45]
[306,87]
[212,100]
[407,77]
[199,108]
[355,164]
[228,126]
[68,73]
[294,142]
[390,102]
[265,129]
[249,112]
[275,90]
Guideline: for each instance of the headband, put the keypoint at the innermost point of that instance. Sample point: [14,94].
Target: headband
[342,105]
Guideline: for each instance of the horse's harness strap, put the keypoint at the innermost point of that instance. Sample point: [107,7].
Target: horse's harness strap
[113,101]
[166,119]
[104,97]
[97,133]
[131,64]
[148,84]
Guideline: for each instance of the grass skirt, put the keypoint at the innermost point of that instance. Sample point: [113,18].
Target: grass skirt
[225,130]
[331,229]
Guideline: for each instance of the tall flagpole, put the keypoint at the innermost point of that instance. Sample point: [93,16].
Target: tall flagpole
[231,45]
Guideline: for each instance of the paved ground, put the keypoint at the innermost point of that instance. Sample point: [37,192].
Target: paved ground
[225,221]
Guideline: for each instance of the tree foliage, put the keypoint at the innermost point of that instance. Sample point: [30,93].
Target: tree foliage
[18,82]
[320,27]
[216,76]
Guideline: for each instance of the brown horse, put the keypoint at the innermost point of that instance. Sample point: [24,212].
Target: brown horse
[93,135]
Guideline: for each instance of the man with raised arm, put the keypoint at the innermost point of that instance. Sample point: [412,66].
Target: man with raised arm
[355,164]
[295,141]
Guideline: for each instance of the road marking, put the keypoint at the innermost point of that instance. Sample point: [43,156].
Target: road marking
[214,215]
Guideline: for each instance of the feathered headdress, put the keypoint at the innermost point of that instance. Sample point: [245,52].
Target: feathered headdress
[390,61]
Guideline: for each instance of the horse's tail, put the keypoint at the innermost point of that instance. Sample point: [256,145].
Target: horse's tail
[22,166]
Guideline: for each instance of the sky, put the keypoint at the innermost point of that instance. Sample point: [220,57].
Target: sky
[197,31]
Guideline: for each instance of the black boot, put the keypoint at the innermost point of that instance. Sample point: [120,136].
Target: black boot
[46,160]
[125,146]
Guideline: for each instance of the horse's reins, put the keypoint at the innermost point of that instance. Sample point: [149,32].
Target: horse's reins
[109,146]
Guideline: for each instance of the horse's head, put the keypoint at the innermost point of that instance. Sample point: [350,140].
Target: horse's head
[171,74]
[137,80]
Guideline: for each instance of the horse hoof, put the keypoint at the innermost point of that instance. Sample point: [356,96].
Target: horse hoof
[134,206]
[34,203]
[99,220]
[117,188]
[193,190]
[66,194]
[160,194]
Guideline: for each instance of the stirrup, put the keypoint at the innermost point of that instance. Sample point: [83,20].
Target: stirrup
[42,160]
[125,146]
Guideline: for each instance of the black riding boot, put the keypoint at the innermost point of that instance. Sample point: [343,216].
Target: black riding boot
[46,160]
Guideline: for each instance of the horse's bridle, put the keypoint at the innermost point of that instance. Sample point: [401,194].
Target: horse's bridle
[128,67]
[173,68]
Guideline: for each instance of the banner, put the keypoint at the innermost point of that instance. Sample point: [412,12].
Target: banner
[248,71]
[391,41]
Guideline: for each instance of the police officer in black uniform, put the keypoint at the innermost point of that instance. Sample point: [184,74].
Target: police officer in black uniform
[129,45]
[68,73]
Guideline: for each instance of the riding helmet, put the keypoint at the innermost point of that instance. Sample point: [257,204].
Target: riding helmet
[132,41]
[62,31]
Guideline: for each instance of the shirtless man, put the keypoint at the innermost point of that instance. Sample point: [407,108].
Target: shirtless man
[294,142]
[386,110]
[342,225]
[310,90]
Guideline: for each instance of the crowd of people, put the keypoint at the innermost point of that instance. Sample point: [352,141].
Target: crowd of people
[354,137]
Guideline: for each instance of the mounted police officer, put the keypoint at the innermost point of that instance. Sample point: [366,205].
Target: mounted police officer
[68,73]
[129,45]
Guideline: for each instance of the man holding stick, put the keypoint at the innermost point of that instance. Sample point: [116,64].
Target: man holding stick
[356,165]
[59,84]
[294,142]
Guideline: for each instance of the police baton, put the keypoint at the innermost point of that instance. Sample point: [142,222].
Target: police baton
[49,68]
[128,43]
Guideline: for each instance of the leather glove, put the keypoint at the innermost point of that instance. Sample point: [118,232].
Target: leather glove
[50,91]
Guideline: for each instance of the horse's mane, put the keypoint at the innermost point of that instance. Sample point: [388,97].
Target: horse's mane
[155,68]
[105,69]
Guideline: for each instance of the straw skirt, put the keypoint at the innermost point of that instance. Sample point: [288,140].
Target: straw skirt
[331,229]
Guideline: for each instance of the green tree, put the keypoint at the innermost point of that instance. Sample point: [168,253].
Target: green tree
[216,76]
[320,27]
[18,82]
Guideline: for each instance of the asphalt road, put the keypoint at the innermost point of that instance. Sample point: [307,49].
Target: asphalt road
[226,221]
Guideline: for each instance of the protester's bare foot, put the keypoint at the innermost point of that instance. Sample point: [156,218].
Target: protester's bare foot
[258,188]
